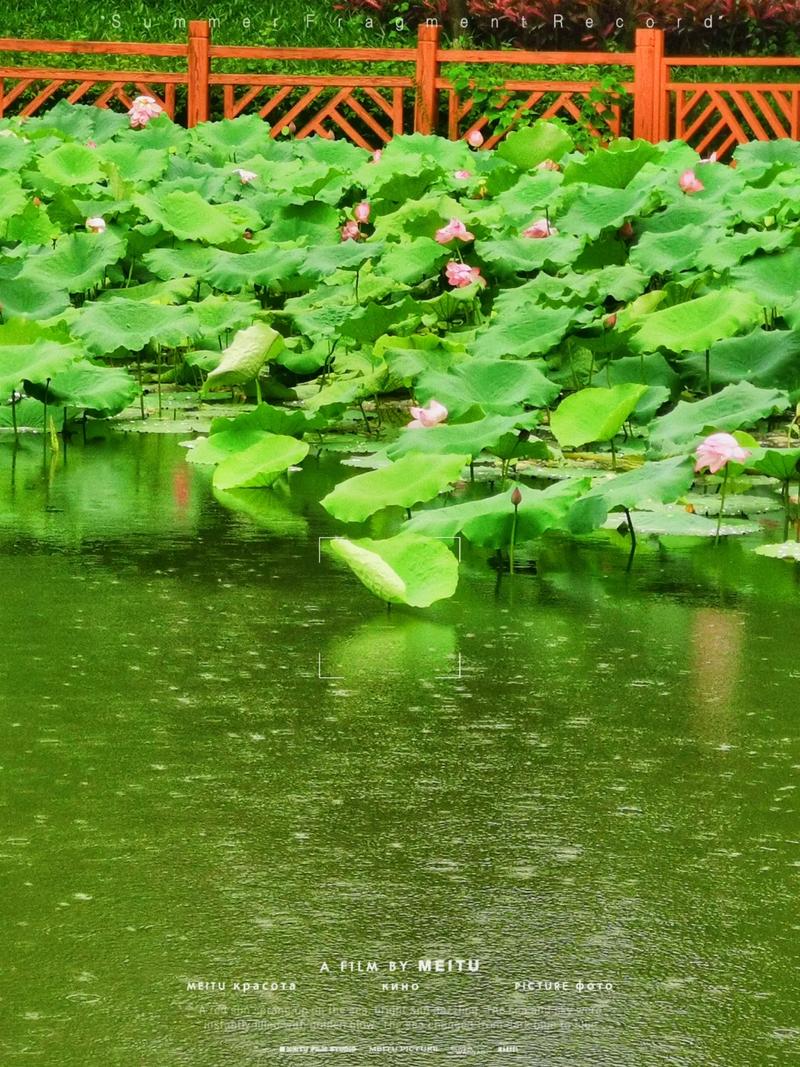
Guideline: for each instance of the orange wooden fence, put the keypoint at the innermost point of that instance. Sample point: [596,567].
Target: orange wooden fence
[369,109]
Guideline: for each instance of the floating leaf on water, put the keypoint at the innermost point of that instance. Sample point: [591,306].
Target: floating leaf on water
[405,569]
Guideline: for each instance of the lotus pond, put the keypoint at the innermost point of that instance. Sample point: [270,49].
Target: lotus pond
[540,404]
[585,775]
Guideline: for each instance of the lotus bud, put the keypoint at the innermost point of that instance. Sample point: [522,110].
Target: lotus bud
[475,139]
[248,234]
[516,497]
[96,224]
[626,231]
[611,320]
[37,202]
[362,211]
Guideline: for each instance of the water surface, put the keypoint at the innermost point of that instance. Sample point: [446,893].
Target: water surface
[224,762]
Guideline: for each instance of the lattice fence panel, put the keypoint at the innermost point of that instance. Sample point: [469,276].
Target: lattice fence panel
[717,118]
[34,91]
[532,102]
[366,115]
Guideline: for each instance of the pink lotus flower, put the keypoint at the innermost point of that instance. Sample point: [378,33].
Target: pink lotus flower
[689,182]
[626,231]
[350,231]
[96,224]
[611,320]
[362,211]
[475,139]
[246,176]
[540,228]
[463,175]
[142,110]
[429,416]
[459,275]
[717,450]
[91,144]
[548,164]
[455,230]
[376,155]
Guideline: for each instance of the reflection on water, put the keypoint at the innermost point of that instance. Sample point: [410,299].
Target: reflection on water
[585,776]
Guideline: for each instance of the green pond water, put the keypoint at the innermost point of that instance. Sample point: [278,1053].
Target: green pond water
[224,762]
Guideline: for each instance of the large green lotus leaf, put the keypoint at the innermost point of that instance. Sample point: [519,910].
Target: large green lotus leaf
[769,358]
[261,464]
[15,153]
[399,180]
[416,217]
[211,450]
[231,272]
[191,218]
[218,314]
[134,164]
[731,409]
[672,520]
[30,298]
[781,463]
[32,226]
[752,204]
[531,145]
[244,357]
[488,522]
[34,362]
[785,550]
[174,291]
[411,480]
[593,209]
[77,262]
[229,138]
[613,167]
[79,122]
[183,260]
[405,569]
[511,255]
[411,261]
[663,253]
[495,385]
[654,371]
[293,422]
[12,196]
[309,224]
[461,438]
[739,246]
[773,279]
[663,482]
[696,324]
[759,156]
[71,164]
[370,321]
[108,325]
[99,391]
[523,330]
[322,261]
[594,414]
[408,357]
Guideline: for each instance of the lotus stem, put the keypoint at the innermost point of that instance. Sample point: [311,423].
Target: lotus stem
[14,412]
[721,504]
[46,391]
[786,500]
[708,372]
[258,391]
[613,455]
[516,499]
[141,387]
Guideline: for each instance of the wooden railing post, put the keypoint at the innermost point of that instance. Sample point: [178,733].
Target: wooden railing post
[650,119]
[427,71]
[199,70]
